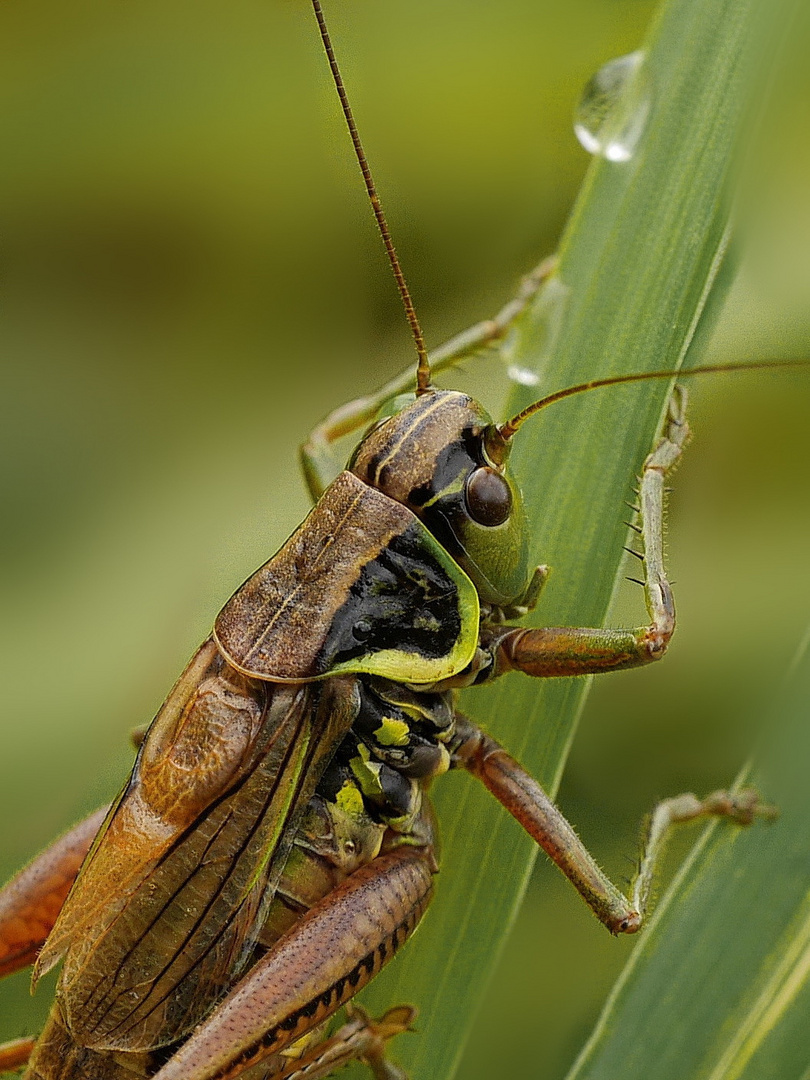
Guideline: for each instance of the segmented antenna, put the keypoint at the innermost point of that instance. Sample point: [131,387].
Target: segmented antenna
[422,367]
[507,430]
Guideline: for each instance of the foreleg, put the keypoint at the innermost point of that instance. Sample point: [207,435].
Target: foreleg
[557,651]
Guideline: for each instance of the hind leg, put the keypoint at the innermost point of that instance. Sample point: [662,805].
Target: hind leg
[31,901]
[15,1054]
[359,1039]
[29,906]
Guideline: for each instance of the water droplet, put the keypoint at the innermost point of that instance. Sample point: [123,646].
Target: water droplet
[612,112]
[536,345]
[522,375]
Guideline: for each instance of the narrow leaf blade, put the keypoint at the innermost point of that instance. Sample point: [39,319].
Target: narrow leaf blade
[719,987]
[637,264]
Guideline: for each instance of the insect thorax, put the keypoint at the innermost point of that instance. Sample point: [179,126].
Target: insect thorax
[434,457]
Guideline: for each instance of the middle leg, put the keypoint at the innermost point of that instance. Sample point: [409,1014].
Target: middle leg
[524,798]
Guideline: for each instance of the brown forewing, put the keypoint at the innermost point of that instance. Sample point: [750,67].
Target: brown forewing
[171,898]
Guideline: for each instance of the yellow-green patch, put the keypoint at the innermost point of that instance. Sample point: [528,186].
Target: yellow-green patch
[349,800]
[392,732]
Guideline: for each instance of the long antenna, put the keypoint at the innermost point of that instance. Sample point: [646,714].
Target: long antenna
[507,430]
[422,367]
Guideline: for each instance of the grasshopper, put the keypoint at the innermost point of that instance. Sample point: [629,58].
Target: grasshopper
[282,790]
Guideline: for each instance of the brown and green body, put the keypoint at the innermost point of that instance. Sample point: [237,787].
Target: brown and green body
[230,831]
[280,766]
[274,845]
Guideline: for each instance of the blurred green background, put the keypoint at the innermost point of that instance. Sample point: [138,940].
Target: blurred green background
[191,279]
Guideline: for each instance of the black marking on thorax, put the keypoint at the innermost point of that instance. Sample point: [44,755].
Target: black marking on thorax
[403,599]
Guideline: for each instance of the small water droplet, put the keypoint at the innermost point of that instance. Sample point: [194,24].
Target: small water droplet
[522,375]
[612,112]
[536,346]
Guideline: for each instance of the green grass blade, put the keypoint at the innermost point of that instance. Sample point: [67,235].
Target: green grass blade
[719,987]
[637,263]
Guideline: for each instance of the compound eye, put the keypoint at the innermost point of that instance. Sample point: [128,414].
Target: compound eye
[488,497]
